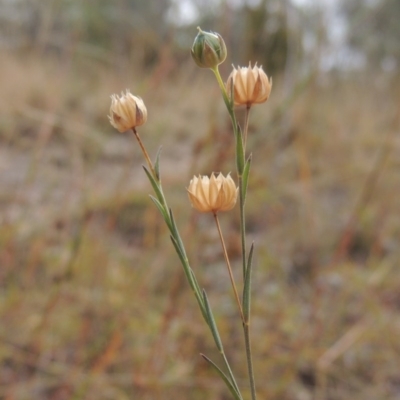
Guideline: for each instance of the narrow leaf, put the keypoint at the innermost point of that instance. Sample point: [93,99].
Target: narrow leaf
[247,286]
[175,233]
[212,324]
[181,256]
[246,177]
[189,274]
[228,383]
[157,163]
[191,278]
[199,297]
[155,185]
[196,284]
[162,210]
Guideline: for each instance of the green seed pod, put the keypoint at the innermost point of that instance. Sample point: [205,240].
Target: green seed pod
[209,49]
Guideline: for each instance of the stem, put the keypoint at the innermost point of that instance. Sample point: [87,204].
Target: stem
[242,225]
[246,324]
[242,198]
[246,329]
[229,267]
[182,254]
[246,125]
[151,166]
[146,155]
[225,96]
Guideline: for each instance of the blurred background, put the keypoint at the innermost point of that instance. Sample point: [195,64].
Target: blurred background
[94,304]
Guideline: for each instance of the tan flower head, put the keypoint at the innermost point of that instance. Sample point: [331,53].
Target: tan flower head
[250,85]
[212,194]
[127,111]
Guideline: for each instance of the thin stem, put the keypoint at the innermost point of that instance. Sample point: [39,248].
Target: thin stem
[246,329]
[246,323]
[242,198]
[146,155]
[242,225]
[152,169]
[246,125]
[226,98]
[229,266]
[221,85]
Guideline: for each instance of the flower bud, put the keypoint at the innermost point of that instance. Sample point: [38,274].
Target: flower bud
[212,194]
[250,85]
[127,111]
[208,49]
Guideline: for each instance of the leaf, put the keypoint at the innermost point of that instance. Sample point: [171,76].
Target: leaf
[247,286]
[191,278]
[157,163]
[180,254]
[162,210]
[211,323]
[228,383]
[196,284]
[175,233]
[155,185]
[245,178]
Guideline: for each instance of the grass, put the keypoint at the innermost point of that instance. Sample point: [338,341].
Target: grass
[93,301]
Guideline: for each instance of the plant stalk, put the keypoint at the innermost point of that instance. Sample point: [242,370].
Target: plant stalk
[246,126]
[228,264]
[146,155]
[242,198]
[246,329]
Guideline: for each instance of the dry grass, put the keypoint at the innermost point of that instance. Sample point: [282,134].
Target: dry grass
[93,300]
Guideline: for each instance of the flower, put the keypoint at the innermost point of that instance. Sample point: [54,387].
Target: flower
[127,111]
[212,194]
[209,49]
[250,85]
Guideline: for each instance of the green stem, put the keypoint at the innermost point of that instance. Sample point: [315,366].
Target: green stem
[242,199]
[246,329]
[246,125]
[228,102]
[242,225]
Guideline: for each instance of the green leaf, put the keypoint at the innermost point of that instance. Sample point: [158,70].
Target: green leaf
[245,178]
[228,383]
[247,286]
[162,210]
[154,183]
[175,233]
[181,255]
[157,163]
[196,284]
[239,151]
[211,323]
[191,278]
